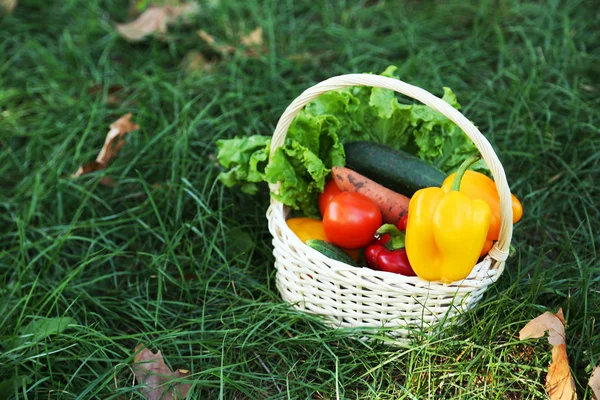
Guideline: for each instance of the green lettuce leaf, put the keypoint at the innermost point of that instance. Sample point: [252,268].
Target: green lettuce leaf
[303,163]
[246,159]
[301,174]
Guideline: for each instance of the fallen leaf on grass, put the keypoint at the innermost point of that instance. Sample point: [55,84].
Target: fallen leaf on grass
[8,6]
[112,144]
[194,61]
[251,45]
[254,38]
[254,43]
[560,385]
[155,20]
[594,383]
[150,370]
[210,40]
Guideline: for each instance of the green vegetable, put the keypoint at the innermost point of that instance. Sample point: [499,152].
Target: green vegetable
[301,165]
[394,169]
[305,160]
[246,159]
[301,174]
[331,251]
[314,142]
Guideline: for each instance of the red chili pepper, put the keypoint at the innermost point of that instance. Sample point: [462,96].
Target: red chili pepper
[382,239]
[371,253]
[395,261]
[387,253]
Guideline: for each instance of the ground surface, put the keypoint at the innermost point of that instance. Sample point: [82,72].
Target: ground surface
[114,258]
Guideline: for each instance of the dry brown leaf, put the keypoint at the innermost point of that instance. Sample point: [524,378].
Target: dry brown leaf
[560,384]
[553,323]
[210,40]
[155,20]
[118,129]
[88,168]
[194,61]
[8,6]
[594,383]
[252,43]
[254,38]
[112,144]
[151,371]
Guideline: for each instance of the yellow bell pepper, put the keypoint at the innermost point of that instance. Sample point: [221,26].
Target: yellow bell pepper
[479,186]
[446,231]
[307,228]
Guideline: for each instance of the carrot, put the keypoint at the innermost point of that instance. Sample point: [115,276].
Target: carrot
[393,205]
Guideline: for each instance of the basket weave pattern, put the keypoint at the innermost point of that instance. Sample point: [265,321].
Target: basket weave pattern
[360,297]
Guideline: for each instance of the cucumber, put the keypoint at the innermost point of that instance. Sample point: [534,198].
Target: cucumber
[394,169]
[330,250]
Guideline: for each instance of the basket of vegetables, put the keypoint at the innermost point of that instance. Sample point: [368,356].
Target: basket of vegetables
[381,213]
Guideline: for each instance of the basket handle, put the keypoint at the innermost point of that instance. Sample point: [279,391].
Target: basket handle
[500,250]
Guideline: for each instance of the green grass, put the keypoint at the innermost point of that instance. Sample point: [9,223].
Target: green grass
[115,259]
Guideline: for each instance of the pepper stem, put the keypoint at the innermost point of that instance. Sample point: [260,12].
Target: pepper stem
[397,237]
[461,171]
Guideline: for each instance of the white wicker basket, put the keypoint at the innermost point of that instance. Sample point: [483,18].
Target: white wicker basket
[349,296]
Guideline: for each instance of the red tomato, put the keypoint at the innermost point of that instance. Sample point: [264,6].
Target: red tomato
[331,190]
[351,220]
